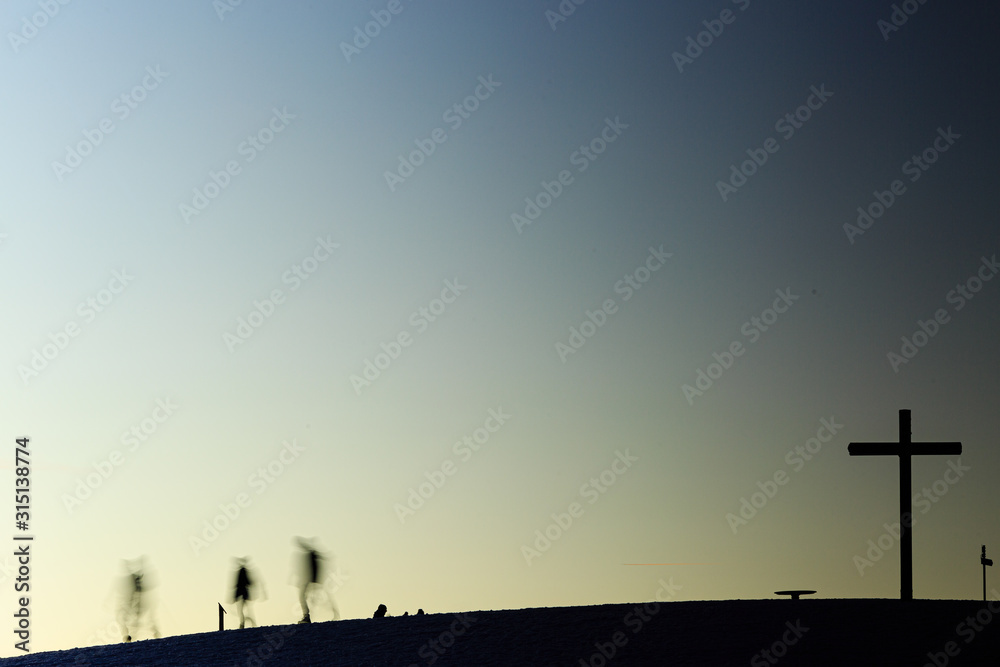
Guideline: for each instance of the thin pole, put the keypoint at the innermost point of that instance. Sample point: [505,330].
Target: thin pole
[221,612]
[985,561]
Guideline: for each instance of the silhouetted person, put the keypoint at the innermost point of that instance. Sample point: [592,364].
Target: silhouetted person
[420,612]
[406,613]
[311,576]
[136,605]
[380,612]
[244,590]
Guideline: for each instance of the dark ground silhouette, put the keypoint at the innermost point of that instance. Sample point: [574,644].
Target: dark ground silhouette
[807,632]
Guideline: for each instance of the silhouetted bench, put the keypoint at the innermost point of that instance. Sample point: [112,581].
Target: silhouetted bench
[795,594]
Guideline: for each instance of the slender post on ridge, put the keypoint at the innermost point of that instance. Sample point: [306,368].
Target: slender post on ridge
[985,561]
[221,612]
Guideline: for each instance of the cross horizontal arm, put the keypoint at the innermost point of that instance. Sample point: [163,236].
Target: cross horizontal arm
[913,449]
[873,448]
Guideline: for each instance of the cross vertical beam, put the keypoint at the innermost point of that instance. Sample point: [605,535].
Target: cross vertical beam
[905,508]
[905,449]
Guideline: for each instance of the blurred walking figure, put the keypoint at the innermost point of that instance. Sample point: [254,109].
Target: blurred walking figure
[136,605]
[244,590]
[310,578]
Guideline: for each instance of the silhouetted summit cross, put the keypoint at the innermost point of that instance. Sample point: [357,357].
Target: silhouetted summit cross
[904,449]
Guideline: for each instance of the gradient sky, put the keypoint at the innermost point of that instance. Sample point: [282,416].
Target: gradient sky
[344,122]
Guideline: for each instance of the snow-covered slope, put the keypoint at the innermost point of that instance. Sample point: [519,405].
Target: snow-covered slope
[805,632]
